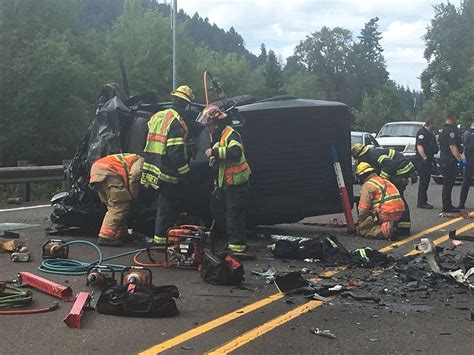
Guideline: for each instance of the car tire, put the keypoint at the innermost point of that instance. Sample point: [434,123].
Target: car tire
[438,180]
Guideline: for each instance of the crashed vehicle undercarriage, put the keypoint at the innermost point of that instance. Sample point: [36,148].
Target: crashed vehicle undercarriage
[287,142]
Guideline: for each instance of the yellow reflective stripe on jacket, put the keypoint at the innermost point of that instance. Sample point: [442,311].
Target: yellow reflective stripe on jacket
[406,169]
[384,175]
[222,151]
[175,141]
[184,169]
[391,153]
[156,174]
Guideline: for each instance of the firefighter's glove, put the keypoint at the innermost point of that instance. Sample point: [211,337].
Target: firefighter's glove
[414,179]
[461,164]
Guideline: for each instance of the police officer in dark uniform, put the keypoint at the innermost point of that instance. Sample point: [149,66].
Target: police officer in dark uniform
[468,142]
[450,158]
[426,148]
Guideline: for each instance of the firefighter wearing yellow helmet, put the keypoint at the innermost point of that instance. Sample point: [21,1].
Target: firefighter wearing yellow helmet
[380,205]
[390,165]
[166,164]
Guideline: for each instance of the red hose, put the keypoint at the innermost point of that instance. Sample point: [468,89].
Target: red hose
[153,264]
[32,311]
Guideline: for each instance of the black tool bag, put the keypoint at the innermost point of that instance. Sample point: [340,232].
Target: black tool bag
[222,269]
[144,301]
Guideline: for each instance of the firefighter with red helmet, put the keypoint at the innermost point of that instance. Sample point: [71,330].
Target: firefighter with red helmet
[227,157]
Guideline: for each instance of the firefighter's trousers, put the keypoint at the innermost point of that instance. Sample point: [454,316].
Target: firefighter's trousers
[370,228]
[116,196]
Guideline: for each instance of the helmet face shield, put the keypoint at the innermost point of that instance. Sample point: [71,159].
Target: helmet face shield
[210,114]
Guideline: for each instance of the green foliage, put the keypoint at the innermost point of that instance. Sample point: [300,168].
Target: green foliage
[448,81]
[57,54]
[388,104]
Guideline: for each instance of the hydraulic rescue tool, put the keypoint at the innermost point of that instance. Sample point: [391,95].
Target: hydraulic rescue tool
[100,275]
[55,249]
[22,255]
[47,286]
[73,319]
[136,275]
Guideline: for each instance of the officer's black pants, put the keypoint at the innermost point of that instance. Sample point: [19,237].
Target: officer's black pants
[424,172]
[404,224]
[468,174]
[170,202]
[229,208]
[449,172]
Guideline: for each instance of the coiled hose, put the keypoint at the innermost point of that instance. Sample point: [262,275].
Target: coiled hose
[77,267]
[12,297]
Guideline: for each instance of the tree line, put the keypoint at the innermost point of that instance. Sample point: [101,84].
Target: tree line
[57,54]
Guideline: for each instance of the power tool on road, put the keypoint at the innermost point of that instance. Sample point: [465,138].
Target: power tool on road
[55,249]
[100,275]
[186,245]
[136,275]
[21,255]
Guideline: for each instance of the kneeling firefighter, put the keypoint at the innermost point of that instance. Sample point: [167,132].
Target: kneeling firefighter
[116,178]
[393,166]
[166,165]
[232,175]
[380,204]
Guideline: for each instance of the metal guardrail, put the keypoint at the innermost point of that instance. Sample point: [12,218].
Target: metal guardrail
[28,174]
[31,174]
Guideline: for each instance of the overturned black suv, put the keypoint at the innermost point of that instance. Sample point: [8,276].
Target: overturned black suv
[287,142]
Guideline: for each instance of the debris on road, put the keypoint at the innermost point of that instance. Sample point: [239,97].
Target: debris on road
[324,333]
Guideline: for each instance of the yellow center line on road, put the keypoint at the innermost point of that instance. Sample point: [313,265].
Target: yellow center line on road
[296,312]
[419,235]
[179,339]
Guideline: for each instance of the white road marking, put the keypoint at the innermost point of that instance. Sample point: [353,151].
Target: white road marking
[24,208]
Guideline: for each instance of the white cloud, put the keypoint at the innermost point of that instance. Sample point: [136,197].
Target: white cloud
[281,25]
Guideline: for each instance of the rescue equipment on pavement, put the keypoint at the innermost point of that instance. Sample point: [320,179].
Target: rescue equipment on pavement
[73,319]
[138,300]
[100,275]
[47,286]
[54,249]
[22,255]
[222,269]
[136,275]
[185,246]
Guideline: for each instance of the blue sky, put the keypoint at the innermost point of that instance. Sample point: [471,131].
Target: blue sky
[281,25]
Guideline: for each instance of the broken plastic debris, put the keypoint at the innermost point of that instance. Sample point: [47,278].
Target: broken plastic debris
[324,333]
[311,260]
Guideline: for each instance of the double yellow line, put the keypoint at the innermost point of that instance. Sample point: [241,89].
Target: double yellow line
[192,333]
[296,312]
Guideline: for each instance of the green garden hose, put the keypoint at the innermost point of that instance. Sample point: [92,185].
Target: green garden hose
[77,267]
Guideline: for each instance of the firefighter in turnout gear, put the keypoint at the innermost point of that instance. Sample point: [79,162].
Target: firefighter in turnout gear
[232,175]
[380,206]
[116,178]
[166,164]
[390,165]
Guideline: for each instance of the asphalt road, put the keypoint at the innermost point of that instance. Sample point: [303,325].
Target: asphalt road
[257,319]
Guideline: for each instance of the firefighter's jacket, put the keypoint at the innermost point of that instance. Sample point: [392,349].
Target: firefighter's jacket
[388,162]
[126,166]
[166,157]
[379,197]
[228,153]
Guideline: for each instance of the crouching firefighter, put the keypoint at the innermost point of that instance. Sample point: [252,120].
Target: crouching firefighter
[166,164]
[380,206]
[393,166]
[116,178]
[227,157]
